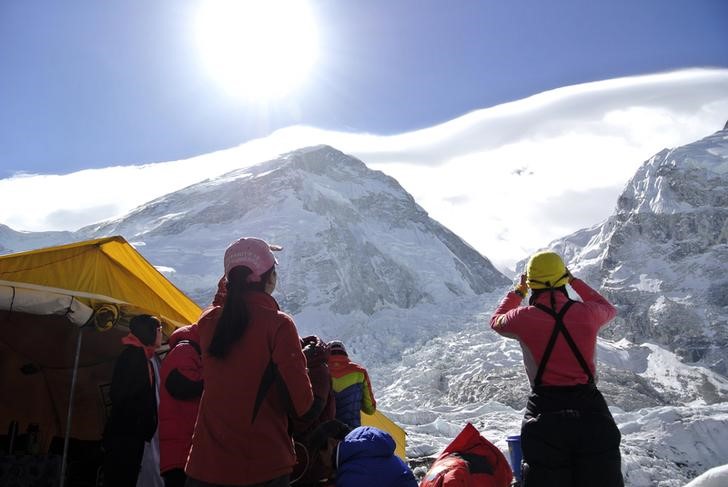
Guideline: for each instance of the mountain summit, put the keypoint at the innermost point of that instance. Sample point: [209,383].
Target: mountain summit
[662,257]
[353,238]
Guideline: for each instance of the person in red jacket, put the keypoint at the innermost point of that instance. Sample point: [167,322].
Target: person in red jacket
[568,435]
[179,400]
[255,376]
[179,397]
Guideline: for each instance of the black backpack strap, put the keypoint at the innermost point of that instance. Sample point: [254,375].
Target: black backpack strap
[559,327]
[549,345]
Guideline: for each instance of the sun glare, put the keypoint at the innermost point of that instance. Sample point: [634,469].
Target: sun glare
[257,49]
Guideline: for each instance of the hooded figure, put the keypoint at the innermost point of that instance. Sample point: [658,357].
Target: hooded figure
[362,457]
[469,460]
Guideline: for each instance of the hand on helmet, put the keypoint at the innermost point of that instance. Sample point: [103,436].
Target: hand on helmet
[521,287]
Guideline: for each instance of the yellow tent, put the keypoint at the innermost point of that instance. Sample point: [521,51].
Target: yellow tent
[379,420]
[63,312]
[106,270]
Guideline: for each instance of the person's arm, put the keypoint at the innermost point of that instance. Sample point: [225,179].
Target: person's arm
[602,310]
[505,314]
[368,403]
[184,381]
[291,365]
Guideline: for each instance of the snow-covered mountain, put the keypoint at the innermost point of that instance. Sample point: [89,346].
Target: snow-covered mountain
[14,241]
[364,263]
[662,257]
[355,242]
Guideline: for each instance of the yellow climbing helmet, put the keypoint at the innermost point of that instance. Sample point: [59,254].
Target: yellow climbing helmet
[546,270]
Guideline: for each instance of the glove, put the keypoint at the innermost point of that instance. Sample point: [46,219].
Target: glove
[520,287]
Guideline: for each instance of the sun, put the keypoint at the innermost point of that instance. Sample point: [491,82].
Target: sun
[257,49]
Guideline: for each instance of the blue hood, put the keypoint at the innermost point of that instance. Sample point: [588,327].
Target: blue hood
[365,458]
[365,441]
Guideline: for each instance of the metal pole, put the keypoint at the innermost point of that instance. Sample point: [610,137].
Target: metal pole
[70,406]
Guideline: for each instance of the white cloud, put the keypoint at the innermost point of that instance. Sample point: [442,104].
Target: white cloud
[507,179]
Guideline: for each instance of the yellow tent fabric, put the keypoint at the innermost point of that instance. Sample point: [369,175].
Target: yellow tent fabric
[37,346]
[109,270]
[379,420]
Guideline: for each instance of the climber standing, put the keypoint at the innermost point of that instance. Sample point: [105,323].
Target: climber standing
[568,435]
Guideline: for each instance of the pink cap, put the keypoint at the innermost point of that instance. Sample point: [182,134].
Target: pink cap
[253,253]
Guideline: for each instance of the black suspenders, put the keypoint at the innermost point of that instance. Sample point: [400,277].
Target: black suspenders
[560,328]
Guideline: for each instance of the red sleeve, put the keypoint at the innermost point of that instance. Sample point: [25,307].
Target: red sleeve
[291,364]
[601,310]
[505,314]
[187,361]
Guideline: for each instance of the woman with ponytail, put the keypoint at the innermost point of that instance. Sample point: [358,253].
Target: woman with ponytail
[255,376]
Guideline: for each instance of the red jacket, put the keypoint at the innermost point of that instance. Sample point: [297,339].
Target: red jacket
[469,461]
[532,327]
[179,397]
[231,445]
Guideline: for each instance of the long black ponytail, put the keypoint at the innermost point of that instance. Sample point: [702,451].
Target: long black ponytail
[234,318]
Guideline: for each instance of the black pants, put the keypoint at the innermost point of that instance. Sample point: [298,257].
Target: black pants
[122,461]
[279,482]
[174,478]
[569,439]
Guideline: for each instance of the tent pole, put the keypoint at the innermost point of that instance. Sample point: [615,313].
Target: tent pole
[70,406]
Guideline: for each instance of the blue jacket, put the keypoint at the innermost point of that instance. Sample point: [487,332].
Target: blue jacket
[365,458]
[348,405]
[352,388]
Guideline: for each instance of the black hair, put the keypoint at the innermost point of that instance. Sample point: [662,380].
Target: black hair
[234,318]
[144,327]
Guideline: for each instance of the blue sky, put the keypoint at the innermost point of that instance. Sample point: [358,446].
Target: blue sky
[93,84]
